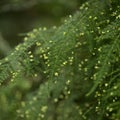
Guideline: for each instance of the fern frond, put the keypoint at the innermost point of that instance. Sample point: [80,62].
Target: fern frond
[77,64]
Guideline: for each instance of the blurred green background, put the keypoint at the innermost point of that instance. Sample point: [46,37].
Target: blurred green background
[17,17]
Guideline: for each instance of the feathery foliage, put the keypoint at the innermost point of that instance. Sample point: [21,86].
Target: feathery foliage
[69,72]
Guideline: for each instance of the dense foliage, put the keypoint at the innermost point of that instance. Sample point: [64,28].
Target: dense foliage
[69,72]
